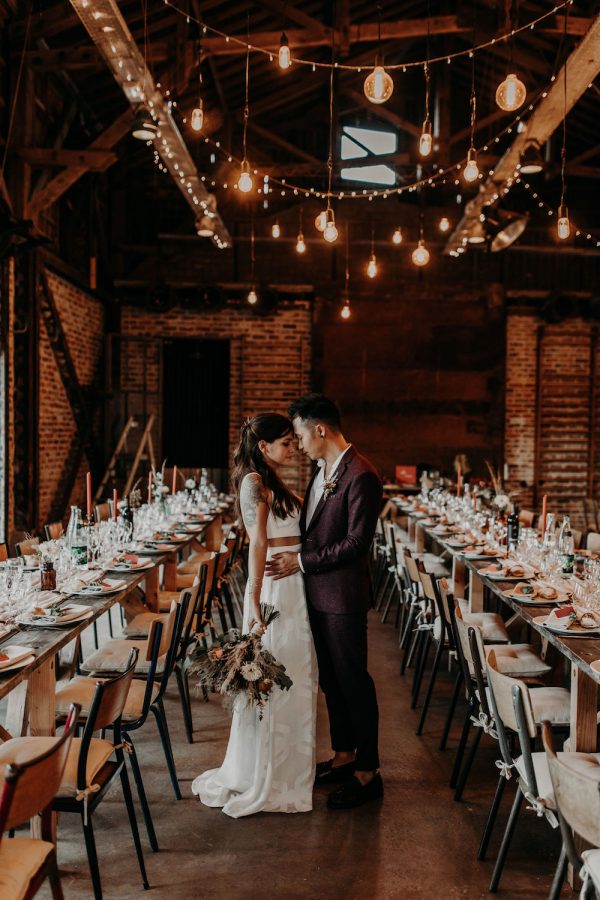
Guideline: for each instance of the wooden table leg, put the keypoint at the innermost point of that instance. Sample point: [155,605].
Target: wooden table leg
[411,530]
[151,588]
[475,592]
[42,688]
[584,697]
[458,576]
[419,539]
[171,572]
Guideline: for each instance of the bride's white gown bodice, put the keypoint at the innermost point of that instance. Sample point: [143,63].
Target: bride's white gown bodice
[269,765]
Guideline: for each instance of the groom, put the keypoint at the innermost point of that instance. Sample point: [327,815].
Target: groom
[338,521]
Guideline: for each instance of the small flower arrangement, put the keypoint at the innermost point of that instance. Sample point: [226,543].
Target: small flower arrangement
[190,484]
[238,665]
[501,499]
[330,486]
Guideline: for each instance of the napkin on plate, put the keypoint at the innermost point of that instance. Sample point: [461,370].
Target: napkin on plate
[13,654]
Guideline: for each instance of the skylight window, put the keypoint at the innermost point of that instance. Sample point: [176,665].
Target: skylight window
[363,143]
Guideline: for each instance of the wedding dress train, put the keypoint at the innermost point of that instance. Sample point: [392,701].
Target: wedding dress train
[269,765]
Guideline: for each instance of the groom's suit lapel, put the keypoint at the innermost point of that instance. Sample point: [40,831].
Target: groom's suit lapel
[305,504]
[340,472]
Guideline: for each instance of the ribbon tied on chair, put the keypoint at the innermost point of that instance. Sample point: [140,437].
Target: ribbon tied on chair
[505,768]
[485,722]
[538,806]
[84,795]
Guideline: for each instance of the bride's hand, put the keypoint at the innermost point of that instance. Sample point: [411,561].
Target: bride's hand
[281,565]
[257,626]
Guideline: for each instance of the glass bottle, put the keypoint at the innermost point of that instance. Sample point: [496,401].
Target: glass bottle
[48,576]
[512,529]
[76,538]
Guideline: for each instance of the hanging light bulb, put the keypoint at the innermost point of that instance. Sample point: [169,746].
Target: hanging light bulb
[378,86]
[426,140]
[471,171]
[275,230]
[397,236]
[372,266]
[252,297]
[563,224]
[198,117]
[285,58]
[444,224]
[330,232]
[345,311]
[245,182]
[300,243]
[511,93]
[321,221]
[420,255]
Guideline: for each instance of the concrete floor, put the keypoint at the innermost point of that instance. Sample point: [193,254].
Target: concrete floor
[416,843]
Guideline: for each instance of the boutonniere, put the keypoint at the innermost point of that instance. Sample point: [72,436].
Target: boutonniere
[330,486]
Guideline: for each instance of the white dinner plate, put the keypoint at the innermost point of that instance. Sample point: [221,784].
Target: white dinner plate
[16,655]
[19,665]
[573,631]
[528,600]
[108,586]
[72,613]
[130,568]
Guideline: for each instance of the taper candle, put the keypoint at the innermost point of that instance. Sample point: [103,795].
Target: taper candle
[544,513]
[149,487]
[88,484]
[458,481]
[174,487]
[115,504]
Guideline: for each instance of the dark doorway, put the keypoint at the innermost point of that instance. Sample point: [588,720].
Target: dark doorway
[196,403]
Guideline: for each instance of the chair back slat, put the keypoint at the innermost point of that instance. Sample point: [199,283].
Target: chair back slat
[3,552]
[592,541]
[503,687]
[28,547]
[53,531]
[31,785]
[111,696]
[102,512]
[577,795]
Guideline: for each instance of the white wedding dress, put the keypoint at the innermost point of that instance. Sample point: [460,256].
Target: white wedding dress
[269,765]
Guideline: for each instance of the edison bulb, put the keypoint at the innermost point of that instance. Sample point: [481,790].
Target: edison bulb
[300,244]
[563,224]
[372,267]
[397,236]
[198,118]
[378,86]
[285,57]
[330,232]
[420,255]
[426,140]
[345,312]
[511,93]
[321,221]
[471,172]
[252,297]
[275,230]
[444,224]
[245,182]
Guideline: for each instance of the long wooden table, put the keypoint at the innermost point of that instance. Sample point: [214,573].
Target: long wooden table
[580,652]
[31,690]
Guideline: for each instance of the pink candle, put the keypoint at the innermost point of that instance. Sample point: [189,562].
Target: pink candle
[88,484]
[115,500]
[174,488]
[458,481]
[474,498]
[149,487]
[544,513]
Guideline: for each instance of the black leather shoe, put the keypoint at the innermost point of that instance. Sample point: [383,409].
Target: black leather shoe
[353,793]
[327,773]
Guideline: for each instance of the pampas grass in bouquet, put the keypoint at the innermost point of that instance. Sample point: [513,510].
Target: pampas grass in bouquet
[237,664]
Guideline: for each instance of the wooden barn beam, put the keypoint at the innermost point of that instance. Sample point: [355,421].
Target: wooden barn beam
[276,139]
[57,186]
[93,160]
[582,66]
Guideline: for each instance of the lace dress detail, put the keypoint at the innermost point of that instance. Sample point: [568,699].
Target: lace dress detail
[269,765]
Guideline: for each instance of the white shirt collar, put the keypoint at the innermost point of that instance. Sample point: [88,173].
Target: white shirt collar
[321,462]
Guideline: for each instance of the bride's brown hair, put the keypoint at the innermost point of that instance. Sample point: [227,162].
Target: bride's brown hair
[249,458]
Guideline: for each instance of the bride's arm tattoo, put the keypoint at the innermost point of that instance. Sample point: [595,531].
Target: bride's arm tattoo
[252,493]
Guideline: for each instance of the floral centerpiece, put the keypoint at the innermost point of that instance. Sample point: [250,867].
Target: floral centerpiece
[238,665]
[501,499]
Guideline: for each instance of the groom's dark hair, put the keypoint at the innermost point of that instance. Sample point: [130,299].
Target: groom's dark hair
[316,408]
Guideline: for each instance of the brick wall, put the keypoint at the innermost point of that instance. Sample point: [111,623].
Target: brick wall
[552,418]
[269,364]
[82,318]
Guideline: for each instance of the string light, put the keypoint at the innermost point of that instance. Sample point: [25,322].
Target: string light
[321,221]
[397,236]
[345,311]
[330,232]
[245,182]
[471,171]
[444,224]
[378,86]
[252,297]
[563,226]
[426,140]
[420,255]
[511,93]
[372,264]
[300,243]
[285,57]
[275,229]
[197,120]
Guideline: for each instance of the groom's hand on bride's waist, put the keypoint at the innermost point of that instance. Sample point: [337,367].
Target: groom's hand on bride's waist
[281,565]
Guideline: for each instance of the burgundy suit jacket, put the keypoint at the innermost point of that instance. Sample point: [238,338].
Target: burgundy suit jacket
[337,540]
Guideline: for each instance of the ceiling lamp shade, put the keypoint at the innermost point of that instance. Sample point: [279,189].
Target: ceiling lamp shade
[477,235]
[144,127]
[505,227]
[532,160]
[205,226]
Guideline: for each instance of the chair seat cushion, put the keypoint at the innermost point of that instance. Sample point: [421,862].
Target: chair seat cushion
[493,629]
[19,750]
[166,599]
[591,859]
[518,660]
[114,655]
[20,860]
[551,703]
[139,627]
[81,689]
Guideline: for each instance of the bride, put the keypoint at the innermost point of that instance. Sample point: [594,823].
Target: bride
[269,765]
